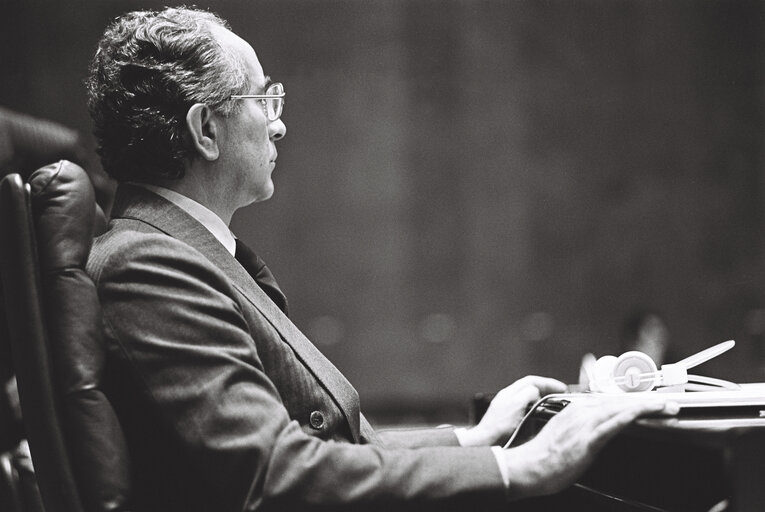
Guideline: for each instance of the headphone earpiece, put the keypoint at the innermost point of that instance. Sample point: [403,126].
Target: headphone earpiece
[601,375]
[631,372]
[636,371]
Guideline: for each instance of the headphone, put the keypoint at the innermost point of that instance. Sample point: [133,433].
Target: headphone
[635,371]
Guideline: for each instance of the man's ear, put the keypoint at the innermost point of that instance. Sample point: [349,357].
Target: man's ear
[203,131]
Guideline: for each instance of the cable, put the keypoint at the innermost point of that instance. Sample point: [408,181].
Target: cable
[539,403]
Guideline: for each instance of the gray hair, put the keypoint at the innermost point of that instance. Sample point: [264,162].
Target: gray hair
[149,68]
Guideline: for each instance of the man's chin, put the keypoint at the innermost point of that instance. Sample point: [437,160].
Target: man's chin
[262,194]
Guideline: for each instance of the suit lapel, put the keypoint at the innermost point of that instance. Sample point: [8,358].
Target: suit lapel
[134,202]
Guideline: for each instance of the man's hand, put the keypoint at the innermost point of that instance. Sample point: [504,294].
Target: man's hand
[507,409]
[564,448]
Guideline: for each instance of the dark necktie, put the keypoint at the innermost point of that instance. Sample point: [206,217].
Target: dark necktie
[257,268]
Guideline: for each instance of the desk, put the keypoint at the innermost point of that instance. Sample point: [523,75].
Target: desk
[706,459]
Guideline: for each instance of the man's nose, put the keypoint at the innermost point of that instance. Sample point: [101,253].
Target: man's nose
[277,130]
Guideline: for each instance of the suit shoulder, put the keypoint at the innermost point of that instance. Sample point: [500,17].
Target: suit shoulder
[130,244]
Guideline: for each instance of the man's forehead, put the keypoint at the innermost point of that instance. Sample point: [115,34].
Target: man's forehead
[245,51]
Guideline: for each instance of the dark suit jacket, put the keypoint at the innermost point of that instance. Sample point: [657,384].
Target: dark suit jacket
[227,406]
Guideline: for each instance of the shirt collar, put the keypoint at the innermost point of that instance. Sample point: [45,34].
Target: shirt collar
[204,215]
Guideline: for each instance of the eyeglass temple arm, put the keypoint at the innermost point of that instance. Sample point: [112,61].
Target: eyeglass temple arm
[257,96]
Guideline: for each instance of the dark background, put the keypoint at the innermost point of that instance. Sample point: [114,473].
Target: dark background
[474,190]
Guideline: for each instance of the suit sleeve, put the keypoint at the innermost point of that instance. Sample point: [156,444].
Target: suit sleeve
[173,318]
[418,437]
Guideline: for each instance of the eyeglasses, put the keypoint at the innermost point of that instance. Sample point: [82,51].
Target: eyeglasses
[272,100]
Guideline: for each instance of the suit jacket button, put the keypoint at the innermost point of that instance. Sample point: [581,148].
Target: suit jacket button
[317,420]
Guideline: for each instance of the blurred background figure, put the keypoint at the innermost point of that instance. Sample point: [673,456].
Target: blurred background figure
[646,331]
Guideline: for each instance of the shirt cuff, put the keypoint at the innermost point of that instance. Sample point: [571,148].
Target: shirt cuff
[459,432]
[497,451]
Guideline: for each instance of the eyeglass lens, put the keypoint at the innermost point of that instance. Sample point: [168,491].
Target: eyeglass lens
[274,106]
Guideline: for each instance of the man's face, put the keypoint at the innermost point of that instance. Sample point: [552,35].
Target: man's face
[247,144]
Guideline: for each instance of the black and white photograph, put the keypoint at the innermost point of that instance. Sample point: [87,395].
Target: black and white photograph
[382,255]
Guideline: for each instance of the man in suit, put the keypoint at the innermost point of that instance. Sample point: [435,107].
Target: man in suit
[224,402]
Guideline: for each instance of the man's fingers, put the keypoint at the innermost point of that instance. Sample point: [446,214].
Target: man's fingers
[545,385]
[641,405]
[528,394]
[590,414]
[615,417]
[609,428]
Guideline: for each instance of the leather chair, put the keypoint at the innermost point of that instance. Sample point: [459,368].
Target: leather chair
[9,486]
[77,446]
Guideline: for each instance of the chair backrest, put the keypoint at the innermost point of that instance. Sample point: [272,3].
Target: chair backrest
[9,487]
[77,446]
